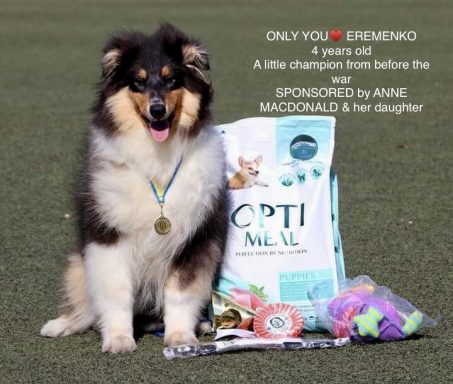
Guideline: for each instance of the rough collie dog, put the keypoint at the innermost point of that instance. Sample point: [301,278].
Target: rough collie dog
[152,203]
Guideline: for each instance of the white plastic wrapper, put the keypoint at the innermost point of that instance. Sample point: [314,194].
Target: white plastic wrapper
[215,347]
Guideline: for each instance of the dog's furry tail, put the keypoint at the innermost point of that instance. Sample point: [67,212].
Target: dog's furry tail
[75,299]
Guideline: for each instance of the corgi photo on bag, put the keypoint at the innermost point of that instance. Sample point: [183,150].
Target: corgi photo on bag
[152,203]
[248,175]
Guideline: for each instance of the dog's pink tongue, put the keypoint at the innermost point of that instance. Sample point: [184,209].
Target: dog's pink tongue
[159,130]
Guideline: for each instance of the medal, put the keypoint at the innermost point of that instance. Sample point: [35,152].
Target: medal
[162,225]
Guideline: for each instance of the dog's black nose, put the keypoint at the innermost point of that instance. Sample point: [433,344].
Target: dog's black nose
[157,110]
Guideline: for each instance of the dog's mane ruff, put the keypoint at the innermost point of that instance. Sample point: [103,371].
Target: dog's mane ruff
[202,158]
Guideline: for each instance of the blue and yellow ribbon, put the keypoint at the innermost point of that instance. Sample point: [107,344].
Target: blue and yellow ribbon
[160,194]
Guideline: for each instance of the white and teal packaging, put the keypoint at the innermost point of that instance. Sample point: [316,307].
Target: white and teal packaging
[284,242]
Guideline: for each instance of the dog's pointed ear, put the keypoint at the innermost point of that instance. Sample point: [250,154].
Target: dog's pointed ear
[195,54]
[196,58]
[241,161]
[259,160]
[117,48]
[110,62]
[185,50]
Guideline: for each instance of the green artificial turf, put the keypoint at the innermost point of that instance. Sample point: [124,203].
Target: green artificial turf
[395,173]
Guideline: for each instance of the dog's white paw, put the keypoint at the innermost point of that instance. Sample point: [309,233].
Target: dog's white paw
[57,327]
[180,337]
[119,344]
[204,328]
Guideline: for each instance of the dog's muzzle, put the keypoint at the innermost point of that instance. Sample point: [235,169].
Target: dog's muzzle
[157,110]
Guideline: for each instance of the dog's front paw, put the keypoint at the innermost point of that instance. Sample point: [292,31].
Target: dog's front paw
[57,327]
[180,337]
[119,344]
[204,328]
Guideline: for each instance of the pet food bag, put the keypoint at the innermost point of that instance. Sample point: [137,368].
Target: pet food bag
[284,239]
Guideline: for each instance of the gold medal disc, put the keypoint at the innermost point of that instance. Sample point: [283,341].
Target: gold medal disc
[162,225]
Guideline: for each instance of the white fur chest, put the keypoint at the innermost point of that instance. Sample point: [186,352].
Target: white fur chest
[121,186]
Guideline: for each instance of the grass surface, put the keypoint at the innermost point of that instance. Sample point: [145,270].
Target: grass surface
[396,210]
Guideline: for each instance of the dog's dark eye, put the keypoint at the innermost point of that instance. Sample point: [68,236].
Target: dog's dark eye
[169,81]
[139,84]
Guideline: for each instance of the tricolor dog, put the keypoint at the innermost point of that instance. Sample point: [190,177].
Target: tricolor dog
[152,203]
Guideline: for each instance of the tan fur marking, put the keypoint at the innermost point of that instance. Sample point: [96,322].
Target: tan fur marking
[76,315]
[173,103]
[188,116]
[196,276]
[172,282]
[165,71]
[238,181]
[195,58]
[192,53]
[127,107]
[141,102]
[173,100]
[110,61]
[199,287]
[142,74]
[74,295]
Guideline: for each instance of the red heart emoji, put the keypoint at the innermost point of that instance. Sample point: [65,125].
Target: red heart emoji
[335,34]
